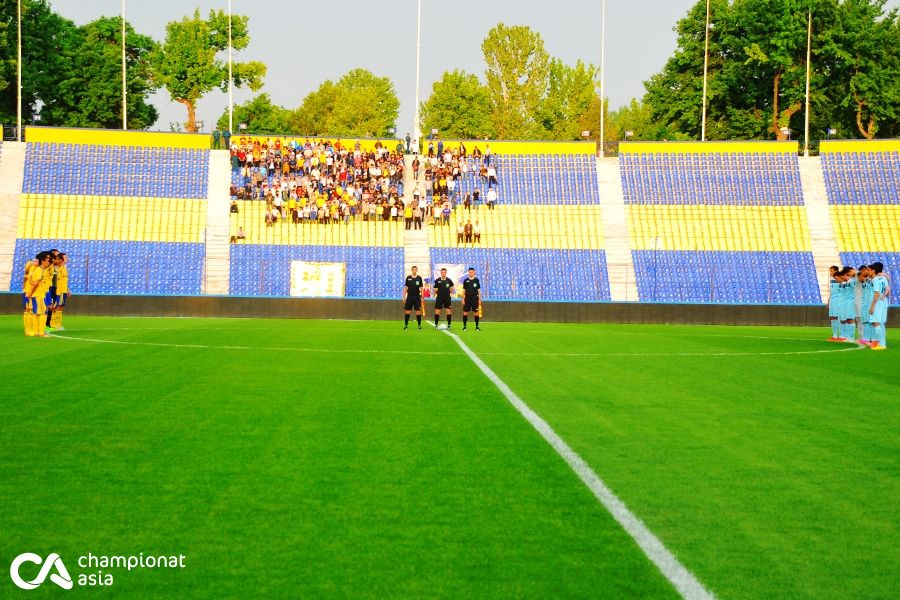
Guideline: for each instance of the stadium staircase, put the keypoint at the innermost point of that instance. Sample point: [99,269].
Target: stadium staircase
[416,247]
[619,260]
[821,228]
[12,173]
[216,267]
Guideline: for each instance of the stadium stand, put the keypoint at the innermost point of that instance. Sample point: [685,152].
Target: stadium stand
[544,240]
[862,179]
[718,223]
[265,269]
[128,207]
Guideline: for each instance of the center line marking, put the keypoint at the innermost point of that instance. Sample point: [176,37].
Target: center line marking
[677,574]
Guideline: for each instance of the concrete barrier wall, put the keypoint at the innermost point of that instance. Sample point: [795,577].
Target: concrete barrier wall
[527,312]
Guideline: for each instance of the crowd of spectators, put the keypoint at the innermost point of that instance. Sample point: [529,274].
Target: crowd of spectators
[325,183]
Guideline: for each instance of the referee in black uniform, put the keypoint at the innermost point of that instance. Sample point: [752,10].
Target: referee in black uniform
[412,297]
[443,292]
[471,299]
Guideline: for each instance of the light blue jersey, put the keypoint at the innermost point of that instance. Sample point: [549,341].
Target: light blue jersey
[880,286]
[833,298]
[846,309]
[866,300]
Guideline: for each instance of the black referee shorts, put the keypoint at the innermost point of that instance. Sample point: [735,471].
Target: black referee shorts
[413,303]
[440,303]
[470,305]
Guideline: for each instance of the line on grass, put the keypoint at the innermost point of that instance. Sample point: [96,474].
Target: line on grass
[677,574]
[208,347]
[438,353]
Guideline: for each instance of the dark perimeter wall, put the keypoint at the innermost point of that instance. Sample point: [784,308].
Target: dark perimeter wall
[315,308]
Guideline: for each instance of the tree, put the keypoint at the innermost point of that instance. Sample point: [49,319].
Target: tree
[260,115]
[676,93]
[48,44]
[864,45]
[459,107]
[187,65]
[517,74]
[570,92]
[91,93]
[359,105]
[638,118]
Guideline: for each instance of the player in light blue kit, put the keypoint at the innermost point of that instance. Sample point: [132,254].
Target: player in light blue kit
[878,309]
[864,292]
[846,308]
[832,303]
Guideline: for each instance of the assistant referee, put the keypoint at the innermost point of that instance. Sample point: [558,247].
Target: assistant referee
[412,297]
[472,299]
[443,292]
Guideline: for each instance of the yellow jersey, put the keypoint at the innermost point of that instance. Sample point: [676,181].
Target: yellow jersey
[33,281]
[62,280]
[46,282]
[29,267]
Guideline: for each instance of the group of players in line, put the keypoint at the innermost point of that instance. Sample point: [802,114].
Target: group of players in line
[45,291]
[858,305]
[443,288]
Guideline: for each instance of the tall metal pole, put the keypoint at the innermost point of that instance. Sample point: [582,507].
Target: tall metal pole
[124,73]
[705,73]
[230,77]
[19,75]
[808,57]
[603,82]
[416,131]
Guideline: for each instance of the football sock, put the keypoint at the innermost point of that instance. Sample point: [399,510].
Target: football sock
[437,320]
[405,320]
[880,335]
[56,320]
[834,328]
[49,317]
[40,324]
[449,320]
[419,320]
[29,323]
[477,320]
[465,320]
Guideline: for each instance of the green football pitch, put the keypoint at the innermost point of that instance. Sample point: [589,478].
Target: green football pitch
[319,459]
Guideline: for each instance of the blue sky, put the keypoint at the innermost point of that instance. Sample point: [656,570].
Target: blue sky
[304,43]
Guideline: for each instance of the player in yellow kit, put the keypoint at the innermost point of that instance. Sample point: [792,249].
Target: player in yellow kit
[28,316]
[36,287]
[62,292]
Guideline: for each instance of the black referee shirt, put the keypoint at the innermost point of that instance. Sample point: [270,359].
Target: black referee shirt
[471,287]
[414,286]
[443,286]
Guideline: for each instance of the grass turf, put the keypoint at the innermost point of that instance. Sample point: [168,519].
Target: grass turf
[304,458]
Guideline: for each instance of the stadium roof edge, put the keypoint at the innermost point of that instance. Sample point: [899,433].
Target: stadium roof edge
[692,147]
[115,137]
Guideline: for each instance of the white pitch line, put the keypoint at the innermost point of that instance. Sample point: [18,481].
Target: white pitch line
[677,574]
[254,348]
[435,353]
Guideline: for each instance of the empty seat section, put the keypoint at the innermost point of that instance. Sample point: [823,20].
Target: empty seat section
[265,269]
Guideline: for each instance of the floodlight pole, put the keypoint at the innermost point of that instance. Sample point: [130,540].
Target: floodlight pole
[705,75]
[808,57]
[603,81]
[124,73]
[416,132]
[230,76]
[19,75]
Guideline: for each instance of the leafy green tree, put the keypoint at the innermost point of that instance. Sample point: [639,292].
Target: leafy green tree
[676,93]
[91,93]
[570,92]
[637,117]
[260,115]
[864,51]
[518,69]
[187,64]
[48,44]
[358,105]
[459,107]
